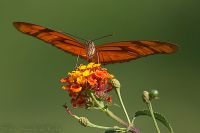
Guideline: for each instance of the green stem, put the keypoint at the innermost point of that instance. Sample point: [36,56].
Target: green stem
[113,116]
[121,101]
[153,117]
[89,124]
[108,112]
[129,127]
[106,128]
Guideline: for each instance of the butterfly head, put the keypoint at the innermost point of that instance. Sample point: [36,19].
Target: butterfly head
[89,43]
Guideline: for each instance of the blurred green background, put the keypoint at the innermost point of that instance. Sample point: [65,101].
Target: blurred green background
[30,96]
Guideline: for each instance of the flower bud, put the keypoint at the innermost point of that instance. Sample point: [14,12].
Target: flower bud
[145,96]
[153,94]
[83,121]
[115,83]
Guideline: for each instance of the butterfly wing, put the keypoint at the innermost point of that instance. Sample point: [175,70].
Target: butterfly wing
[128,50]
[57,39]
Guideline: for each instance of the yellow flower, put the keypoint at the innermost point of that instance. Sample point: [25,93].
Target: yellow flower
[96,65]
[90,65]
[86,73]
[81,80]
[75,74]
[82,67]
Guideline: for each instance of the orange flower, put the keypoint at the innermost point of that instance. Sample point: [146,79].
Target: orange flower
[92,77]
[92,81]
[63,80]
[75,88]
[101,74]
[66,87]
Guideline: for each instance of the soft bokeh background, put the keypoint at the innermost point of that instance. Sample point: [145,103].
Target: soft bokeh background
[30,95]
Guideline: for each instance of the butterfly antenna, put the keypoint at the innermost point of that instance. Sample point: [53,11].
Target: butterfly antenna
[75,36]
[102,37]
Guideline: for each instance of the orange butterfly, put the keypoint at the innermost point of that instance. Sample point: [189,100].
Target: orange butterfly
[108,53]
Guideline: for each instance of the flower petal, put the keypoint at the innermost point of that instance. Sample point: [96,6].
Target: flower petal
[75,88]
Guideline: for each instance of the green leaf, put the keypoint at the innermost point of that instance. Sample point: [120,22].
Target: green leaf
[158,116]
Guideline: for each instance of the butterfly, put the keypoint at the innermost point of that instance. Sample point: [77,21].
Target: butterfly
[112,52]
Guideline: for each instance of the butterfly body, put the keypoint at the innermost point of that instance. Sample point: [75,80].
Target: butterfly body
[113,52]
[90,50]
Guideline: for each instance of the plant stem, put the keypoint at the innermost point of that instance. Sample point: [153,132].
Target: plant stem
[108,112]
[113,116]
[153,117]
[127,125]
[106,128]
[121,101]
[85,122]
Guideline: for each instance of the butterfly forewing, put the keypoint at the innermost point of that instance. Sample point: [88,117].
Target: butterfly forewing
[57,39]
[129,50]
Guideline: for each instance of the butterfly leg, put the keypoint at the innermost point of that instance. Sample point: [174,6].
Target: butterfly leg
[76,62]
[98,57]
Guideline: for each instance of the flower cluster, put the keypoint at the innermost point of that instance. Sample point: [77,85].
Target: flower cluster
[86,79]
